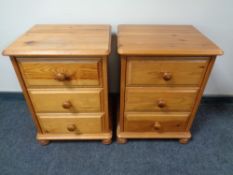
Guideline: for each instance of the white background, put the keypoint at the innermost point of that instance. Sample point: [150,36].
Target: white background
[212,17]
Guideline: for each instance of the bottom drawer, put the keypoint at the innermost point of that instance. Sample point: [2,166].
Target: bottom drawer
[75,124]
[155,122]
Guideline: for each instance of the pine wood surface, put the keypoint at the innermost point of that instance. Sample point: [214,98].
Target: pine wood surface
[57,123]
[80,100]
[156,122]
[67,73]
[153,71]
[146,99]
[164,70]
[63,71]
[66,40]
[164,40]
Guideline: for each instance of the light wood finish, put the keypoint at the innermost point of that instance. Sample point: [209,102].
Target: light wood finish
[71,124]
[65,40]
[199,96]
[61,72]
[55,100]
[155,122]
[166,71]
[25,93]
[93,136]
[152,135]
[164,40]
[152,99]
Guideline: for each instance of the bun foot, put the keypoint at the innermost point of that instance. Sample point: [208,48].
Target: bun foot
[43,142]
[184,141]
[107,141]
[121,140]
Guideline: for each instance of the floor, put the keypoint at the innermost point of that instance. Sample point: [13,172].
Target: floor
[210,152]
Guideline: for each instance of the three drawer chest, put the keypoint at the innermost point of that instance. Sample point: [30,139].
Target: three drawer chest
[164,70]
[62,70]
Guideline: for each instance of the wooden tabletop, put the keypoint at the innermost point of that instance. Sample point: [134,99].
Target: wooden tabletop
[66,40]
[177,40]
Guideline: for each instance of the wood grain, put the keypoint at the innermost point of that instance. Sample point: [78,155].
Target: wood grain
[63,71]
[146,122]
[146,99]
[151,71]
[75,72]
[81,100]
[59,123]
[25,93]
[72,136]
[199,96]
[166,68]
[164,40]
[63,40]
[152,135]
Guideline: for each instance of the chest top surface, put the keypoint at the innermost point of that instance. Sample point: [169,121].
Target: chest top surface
[179,40]
[65,40]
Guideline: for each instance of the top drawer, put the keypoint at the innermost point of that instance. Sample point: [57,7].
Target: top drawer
[61,72]
[173,71]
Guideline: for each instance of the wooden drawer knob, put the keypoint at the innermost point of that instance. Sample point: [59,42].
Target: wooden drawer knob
[62,77]
[71,127]
[157,126]
[167,76]
[67,105]
[161,103]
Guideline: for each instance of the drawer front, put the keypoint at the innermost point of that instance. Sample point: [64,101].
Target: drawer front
[71,124]
[67,100]
[155,122]
[61,73]
[175,71]
[159,99]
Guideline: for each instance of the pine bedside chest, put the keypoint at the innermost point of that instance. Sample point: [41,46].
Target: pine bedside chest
[164,70]
[62,70]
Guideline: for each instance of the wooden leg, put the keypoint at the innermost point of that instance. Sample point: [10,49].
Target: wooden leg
[107,141]
[43,142]
[121,140]
[184,141]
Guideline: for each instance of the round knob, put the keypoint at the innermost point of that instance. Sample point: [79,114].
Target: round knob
[157,126]
[61,77]
[167,76]
[161,103]
[71,127]
[67,105]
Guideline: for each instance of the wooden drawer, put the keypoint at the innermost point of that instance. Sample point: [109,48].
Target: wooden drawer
[70,123]
[159,99]
[67,100]
[45,72]
[155,122]
[165,71]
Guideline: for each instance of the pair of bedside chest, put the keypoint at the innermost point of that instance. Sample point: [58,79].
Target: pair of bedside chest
[63,72]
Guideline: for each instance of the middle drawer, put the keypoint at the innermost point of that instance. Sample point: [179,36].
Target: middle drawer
[67,100]
[155,99]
